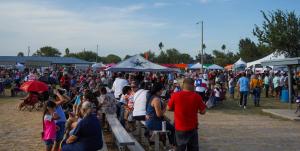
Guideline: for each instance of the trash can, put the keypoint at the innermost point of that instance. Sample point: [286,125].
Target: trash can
[284,96]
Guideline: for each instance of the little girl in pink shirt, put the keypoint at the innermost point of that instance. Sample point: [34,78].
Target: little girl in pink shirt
[49,127]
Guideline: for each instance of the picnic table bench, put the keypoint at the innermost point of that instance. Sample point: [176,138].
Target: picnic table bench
[123,138]
[104,147]
[156,134]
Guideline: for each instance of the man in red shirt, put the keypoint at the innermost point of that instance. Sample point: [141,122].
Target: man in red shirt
[186,105]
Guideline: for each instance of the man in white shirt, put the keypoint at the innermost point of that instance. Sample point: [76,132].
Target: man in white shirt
[117,88]
[118,85]
[140,102]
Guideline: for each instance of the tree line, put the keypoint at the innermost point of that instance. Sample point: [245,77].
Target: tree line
[279,32]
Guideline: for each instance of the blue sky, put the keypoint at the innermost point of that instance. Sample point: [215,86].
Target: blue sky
[130,26]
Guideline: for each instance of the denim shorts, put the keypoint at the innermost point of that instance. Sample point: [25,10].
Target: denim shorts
[231,90]
[60,132]
[49,143]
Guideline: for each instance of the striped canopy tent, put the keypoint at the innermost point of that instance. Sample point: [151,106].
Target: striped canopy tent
[229,67]
[181,66]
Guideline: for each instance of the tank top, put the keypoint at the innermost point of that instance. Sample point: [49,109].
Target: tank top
[150,111]
[49,128]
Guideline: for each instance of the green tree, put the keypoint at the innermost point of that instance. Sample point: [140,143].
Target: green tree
[111,58]
[67,51]
[85,55]
[281,31]
[151,55]
[223,47]
[47,51]
[20,54]
[173,55]
[207,58]
[160,45]
[248,50]
[162,57]
[185,58]
[223,59]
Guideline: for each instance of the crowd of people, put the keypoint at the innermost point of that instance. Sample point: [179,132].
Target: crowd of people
[77,102]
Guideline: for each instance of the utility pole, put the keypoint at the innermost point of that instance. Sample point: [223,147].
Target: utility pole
[28,50]
[97,54]
[202,71]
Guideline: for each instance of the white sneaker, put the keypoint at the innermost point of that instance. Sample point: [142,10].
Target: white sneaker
[245,107]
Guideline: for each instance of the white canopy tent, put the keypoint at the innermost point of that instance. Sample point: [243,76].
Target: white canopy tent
[240,64]
[98,65]
[197,66]
[138,64]
[215,67]
[20,67]
[271,56]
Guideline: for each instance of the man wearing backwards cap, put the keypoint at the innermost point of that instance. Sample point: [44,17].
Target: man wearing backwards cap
[186,103]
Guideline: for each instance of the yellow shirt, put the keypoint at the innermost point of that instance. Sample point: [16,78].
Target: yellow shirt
[256,83]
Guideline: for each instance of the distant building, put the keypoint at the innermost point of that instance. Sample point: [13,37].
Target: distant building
[41,61]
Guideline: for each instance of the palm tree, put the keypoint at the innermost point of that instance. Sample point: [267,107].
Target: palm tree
[204,46]
[20,54]
[223,47]
[67,51]
[160,45]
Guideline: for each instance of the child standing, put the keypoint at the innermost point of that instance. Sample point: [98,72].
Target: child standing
[49,127]
[231,87]
[217,94]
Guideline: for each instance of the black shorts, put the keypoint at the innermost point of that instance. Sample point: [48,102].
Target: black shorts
[277,89]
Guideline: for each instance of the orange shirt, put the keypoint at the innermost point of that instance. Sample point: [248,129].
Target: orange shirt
[255,83]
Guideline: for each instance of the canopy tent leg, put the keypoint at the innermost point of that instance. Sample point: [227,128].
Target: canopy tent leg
[290,85]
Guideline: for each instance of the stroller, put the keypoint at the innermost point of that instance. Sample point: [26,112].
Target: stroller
[30,102]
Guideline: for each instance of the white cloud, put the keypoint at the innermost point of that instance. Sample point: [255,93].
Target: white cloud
[160,4]
[203,1]
[208,1]
[114,28]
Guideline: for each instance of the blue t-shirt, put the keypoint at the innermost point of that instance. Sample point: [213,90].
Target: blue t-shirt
[60,112]
[244,84]
[77,100]
[89,133]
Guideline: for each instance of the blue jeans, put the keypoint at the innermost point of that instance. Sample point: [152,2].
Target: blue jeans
[60,132]
[187,140]
[77,146]
[243,98]
[120,113]
[256,96]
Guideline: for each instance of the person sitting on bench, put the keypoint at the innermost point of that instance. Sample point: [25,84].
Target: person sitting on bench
[155,113]
[87,135]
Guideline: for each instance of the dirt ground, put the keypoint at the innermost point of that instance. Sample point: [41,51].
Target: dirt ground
[19,130]
[226,128]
